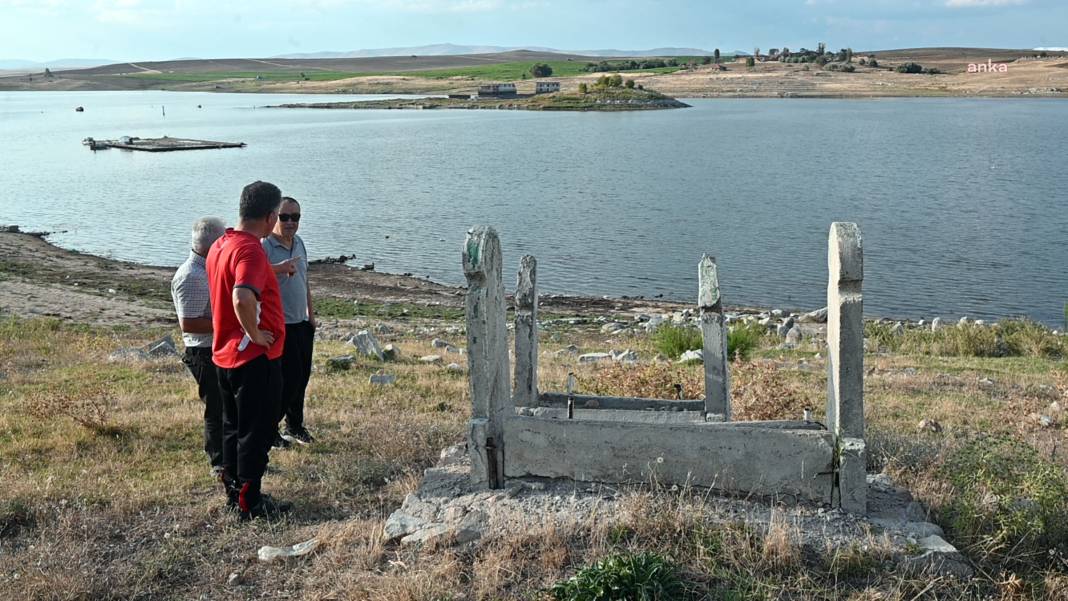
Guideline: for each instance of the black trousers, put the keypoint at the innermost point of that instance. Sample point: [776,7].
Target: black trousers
[251,400]
[198,360]
[296,370]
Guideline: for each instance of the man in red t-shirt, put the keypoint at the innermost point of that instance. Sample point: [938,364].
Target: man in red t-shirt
[250,333]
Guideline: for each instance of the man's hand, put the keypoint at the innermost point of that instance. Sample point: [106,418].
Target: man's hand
[286,268]
[261,337]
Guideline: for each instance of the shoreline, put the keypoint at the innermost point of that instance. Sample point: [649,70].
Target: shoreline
[41,279]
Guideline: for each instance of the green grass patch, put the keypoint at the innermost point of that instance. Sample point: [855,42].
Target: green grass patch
[1008,338]
[630,576]
[1008,504]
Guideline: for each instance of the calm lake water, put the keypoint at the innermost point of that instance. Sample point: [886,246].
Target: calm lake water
[963,203]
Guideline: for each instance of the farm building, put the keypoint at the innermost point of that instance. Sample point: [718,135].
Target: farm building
[546,87]
[497,89]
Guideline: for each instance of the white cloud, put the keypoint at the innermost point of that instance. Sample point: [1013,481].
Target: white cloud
[974,3]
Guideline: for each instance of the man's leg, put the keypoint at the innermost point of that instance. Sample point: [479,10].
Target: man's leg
[291,362]
[303,339]
[257,397]
[229,433]
[208,387]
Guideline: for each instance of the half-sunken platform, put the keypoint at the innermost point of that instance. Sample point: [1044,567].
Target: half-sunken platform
[164,144]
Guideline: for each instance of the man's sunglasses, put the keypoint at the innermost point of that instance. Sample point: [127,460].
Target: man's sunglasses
[294,217]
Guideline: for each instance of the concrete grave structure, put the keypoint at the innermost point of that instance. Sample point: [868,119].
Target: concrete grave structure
[527,433]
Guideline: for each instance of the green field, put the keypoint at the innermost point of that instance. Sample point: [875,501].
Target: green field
[500,71]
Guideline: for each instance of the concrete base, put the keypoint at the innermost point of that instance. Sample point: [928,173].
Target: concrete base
[724,456]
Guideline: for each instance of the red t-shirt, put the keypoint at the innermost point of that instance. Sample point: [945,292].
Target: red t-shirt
[237,260]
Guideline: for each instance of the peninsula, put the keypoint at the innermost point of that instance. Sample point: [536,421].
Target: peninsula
[592,99]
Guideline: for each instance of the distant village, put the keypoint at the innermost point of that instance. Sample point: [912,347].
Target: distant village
[508,90]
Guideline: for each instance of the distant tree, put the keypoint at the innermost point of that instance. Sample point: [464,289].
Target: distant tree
[910,68]
[629,84]
[848,55]
[641,87]
[863,61]
[821,48]
[615,81]
[48,73]
[602,81]
[756,52]
[874,64]
[583,88]
[716,53]
[541,70]
[750,62]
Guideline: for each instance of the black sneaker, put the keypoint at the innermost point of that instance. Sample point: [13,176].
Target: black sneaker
[266,508]
[280,442]
[298,435]
[230,489]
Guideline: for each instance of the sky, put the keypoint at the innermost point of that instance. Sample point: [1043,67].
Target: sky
[129,30]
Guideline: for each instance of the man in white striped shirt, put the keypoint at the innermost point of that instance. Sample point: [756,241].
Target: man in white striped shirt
[189,289]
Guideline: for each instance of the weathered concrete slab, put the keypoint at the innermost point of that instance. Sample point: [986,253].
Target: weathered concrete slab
[845,331]
[487,345]
[617,415]
[526,332]
[722,456]
[714,335]
[845,361]
[558,399]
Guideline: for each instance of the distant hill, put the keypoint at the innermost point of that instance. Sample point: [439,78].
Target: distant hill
[455,49]
[14,64]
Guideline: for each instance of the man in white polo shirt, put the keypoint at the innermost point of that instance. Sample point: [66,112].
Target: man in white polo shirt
[189,290]
[287,253]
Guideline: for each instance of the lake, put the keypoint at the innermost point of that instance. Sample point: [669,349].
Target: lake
[963,203]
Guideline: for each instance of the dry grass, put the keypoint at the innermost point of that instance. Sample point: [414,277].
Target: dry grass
[106,493]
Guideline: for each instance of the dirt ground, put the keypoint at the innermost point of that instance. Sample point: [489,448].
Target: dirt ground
[38,279]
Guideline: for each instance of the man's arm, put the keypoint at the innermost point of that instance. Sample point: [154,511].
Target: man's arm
[195,325]
[245,309]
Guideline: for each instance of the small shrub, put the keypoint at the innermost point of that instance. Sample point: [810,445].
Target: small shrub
[1028,338]
[88,407]
[583,88]
[1008,504]
[932,71]
[626,576]
[674,340]
[910,68]
[629,84]
[750,62]
[743,338]
[843,67]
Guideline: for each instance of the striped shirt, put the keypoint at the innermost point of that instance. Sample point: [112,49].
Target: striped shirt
[189,289]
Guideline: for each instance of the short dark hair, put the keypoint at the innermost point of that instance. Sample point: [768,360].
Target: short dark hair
[286,199]
[258,200]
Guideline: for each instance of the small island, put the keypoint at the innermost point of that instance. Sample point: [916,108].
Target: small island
[610,93]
